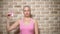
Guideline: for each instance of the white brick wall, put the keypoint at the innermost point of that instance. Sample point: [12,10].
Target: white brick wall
[47,12]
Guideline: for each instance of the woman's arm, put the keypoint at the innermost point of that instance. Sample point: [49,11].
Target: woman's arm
[9,28]
[36,27]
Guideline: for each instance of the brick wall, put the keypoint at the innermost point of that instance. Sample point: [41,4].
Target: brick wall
[47,12]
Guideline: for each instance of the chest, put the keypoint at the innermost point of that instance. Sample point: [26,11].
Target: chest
[26,25]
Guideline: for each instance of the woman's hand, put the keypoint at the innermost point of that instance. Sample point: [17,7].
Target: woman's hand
[9,15]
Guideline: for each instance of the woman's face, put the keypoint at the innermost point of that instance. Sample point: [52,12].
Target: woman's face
[27,11]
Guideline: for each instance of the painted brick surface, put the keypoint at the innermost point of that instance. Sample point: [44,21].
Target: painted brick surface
[47,12]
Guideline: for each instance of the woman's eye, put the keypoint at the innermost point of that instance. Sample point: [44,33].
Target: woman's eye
[26,10]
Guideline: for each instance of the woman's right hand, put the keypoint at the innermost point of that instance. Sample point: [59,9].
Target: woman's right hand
[9,15]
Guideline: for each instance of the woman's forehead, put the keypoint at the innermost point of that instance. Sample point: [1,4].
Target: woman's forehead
[26,8]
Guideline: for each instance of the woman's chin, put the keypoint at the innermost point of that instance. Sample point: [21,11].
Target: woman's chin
[27,16]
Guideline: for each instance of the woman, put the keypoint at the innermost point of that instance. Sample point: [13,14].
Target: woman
[27,24]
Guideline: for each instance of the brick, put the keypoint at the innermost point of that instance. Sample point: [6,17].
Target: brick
[18,0]
[32,3]
[57,9]
[36,0]
[45,0]
[1,32]
[56,2]
[1,0]
[18,6]
[47,12]
[27,0]
[54,12]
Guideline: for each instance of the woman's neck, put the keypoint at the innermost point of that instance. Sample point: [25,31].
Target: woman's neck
[26,18]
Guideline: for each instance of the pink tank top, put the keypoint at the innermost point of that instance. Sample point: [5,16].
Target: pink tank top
[27,29]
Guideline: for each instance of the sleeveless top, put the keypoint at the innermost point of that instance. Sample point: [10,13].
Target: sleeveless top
[27,29]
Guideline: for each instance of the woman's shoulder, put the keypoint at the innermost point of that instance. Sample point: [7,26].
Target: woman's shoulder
[34,20]
[19,19]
